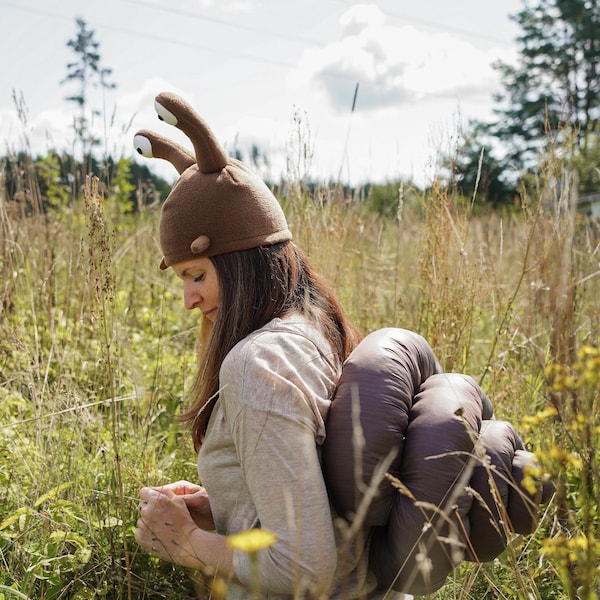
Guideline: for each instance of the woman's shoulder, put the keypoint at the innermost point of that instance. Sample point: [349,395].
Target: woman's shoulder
[290,345]
[295,333]
[286,359]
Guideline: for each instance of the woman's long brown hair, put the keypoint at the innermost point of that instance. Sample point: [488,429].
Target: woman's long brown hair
[257,286]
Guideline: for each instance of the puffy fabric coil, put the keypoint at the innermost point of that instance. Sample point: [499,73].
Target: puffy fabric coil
[415,456]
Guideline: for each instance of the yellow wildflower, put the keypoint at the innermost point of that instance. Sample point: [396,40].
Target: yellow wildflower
[252,540]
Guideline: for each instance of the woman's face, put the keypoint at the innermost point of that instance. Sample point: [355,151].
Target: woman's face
[200,285]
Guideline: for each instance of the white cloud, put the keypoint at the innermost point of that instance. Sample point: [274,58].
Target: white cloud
[395,64]
[355,19]
[47,129]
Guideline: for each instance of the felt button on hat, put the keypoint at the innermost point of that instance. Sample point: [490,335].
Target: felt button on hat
[218,204]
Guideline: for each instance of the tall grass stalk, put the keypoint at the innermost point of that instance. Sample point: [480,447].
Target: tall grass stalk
[101,278]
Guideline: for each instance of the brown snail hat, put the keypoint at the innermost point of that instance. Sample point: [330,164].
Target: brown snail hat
[218,204]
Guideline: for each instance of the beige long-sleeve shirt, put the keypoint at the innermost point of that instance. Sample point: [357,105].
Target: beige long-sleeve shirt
[260,464]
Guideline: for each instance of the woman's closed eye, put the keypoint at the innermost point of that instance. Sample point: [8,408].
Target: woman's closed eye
[199,278]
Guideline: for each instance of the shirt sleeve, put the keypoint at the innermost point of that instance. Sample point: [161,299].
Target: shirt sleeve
[269,398]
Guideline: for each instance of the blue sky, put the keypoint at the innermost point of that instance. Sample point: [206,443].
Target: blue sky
[277,73]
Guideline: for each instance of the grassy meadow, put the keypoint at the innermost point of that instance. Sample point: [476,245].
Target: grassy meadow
[97,355]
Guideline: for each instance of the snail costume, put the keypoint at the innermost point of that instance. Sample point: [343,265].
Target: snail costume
[412,458]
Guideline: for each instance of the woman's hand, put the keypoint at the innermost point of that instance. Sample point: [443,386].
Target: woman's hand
[166,528]
[196,500]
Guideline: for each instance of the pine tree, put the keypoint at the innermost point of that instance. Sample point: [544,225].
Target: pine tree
[86,72]
[555,86]
[551,94]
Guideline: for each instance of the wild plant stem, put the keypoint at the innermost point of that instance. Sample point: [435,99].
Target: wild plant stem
[512,299]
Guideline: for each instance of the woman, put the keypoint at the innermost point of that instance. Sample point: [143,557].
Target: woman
[273,339]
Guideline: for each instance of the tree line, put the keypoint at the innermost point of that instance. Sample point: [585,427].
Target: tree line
[549,107]
[55,180]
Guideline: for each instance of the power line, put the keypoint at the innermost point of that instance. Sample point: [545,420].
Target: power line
[199,17]
[223,50]
[35,11]
[157,38]
[433,24]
